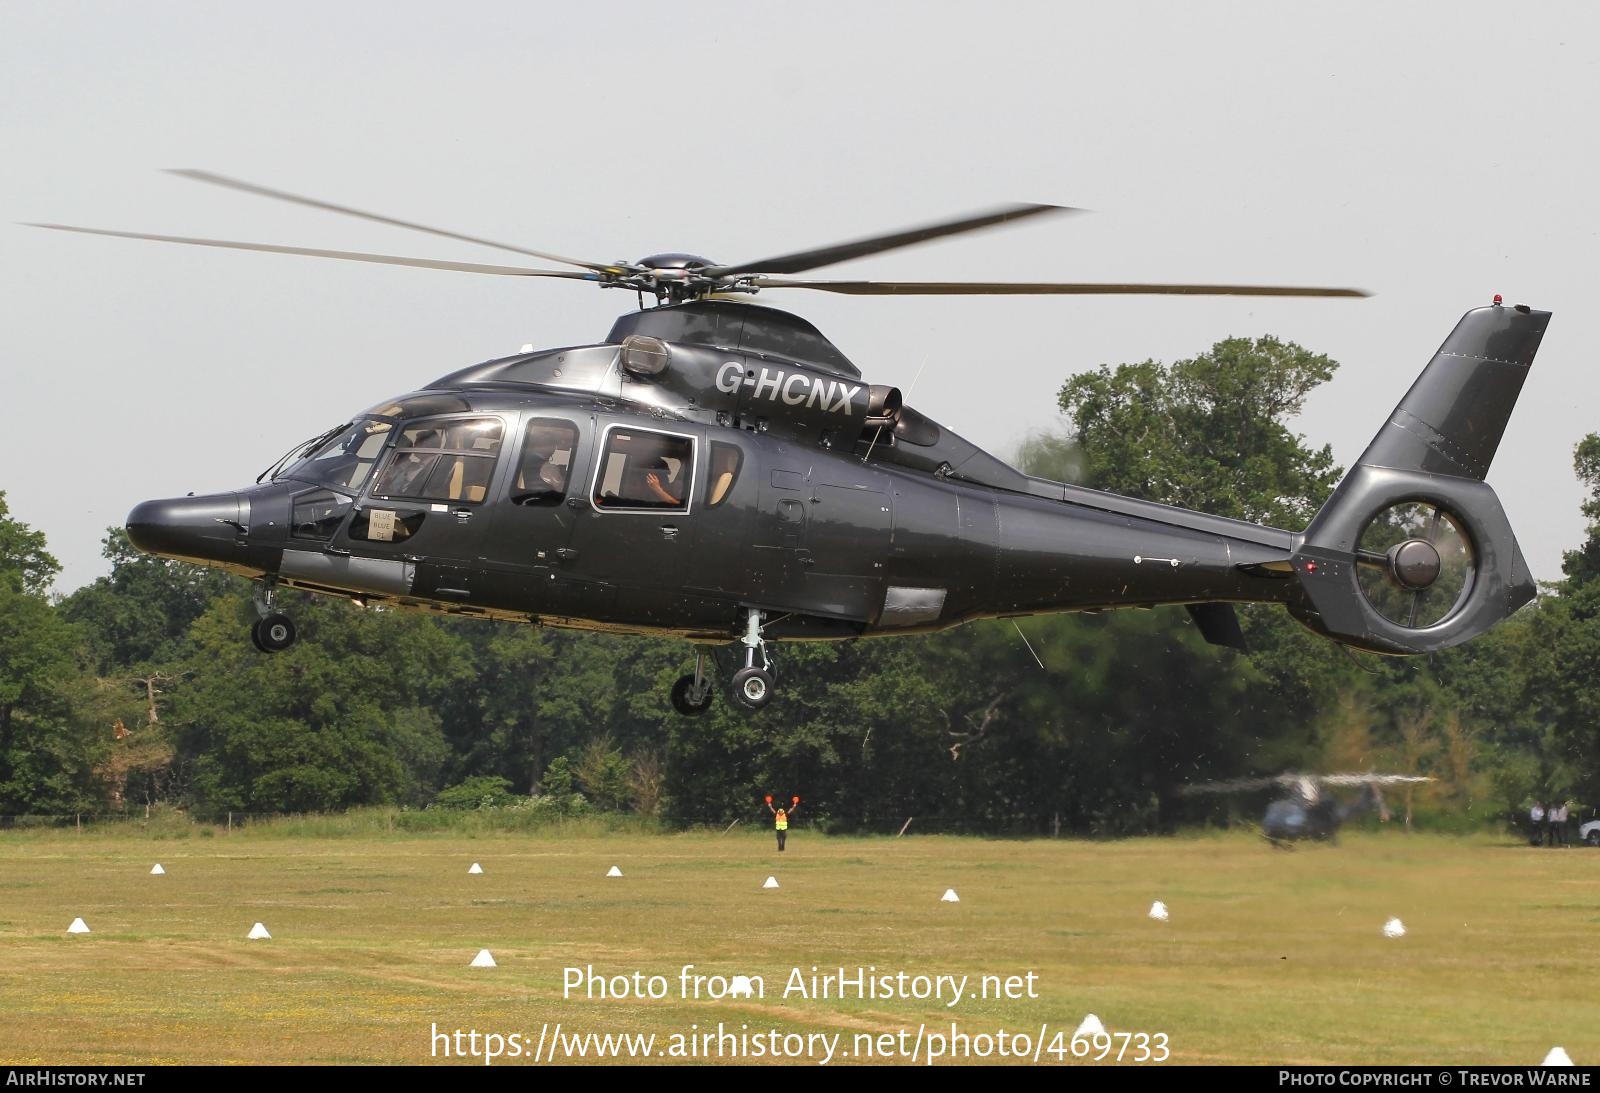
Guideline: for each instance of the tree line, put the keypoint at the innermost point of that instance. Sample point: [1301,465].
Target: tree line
[142,689]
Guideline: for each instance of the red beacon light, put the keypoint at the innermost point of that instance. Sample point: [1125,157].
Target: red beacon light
[1497,299]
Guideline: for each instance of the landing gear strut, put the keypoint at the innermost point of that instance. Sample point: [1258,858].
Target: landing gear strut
[753,684]
[691,695]
[273,632]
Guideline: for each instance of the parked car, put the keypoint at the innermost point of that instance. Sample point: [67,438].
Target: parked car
[1589,832]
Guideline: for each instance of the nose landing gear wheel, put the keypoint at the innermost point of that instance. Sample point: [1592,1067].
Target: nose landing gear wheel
[690,696]
[752,687]
[273,634]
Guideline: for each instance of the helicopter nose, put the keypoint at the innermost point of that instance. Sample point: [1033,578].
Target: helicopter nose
[196,529]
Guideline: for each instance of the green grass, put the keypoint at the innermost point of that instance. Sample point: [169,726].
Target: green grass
[1268,957]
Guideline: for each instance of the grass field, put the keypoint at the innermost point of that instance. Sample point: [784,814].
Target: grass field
[1268,956]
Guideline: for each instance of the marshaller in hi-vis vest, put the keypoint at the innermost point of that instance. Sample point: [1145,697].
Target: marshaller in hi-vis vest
[781,816]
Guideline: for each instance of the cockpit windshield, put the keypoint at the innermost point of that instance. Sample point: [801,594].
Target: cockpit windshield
[341,458]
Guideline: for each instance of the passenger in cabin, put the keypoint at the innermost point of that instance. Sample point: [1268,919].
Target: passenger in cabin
[658,480]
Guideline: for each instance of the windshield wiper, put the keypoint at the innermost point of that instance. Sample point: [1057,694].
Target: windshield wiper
[303,449]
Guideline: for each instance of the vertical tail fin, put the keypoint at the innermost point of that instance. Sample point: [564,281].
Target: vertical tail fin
[1413,552]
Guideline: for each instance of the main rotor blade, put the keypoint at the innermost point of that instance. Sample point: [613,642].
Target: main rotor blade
[263,191]
[1040,288]
[347,255]
[800,261]
[1238,785]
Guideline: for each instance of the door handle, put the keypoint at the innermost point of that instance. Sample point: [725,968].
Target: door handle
[462,515]
[566,554]
[669,532]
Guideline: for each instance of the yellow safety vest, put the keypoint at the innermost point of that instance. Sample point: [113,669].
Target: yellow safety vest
[783,820]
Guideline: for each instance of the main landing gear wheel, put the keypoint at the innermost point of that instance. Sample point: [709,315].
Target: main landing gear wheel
[753,684]
[753,687]
[692,696]
[273,634]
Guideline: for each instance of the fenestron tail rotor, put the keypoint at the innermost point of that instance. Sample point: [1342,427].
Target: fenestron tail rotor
[676,278]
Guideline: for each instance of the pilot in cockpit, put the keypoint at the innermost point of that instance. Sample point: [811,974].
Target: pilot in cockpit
[540,476]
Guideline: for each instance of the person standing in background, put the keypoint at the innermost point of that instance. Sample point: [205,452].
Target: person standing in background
[1558,824]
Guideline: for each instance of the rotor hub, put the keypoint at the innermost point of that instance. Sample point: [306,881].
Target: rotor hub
[1415,563]
[674,261]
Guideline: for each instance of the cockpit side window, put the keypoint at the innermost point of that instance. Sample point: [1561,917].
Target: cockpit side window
[641,469]
[449,459]
[546,464]
[317,514]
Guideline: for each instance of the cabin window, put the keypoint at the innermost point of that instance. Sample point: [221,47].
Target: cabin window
[546,464]
[442,460]
[725,462]
[643,470]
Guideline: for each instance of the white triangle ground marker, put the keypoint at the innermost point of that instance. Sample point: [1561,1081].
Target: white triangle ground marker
[257,932]
[1394,928]
[1558,1057]
[949,896]
[156,870]
[1158,911]
[772,882]
[78,927]
[476,868]
[1091,1026]
[613,872]
[482,960]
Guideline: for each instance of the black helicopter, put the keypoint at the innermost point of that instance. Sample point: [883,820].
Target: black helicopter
[1304,810]
[719,471]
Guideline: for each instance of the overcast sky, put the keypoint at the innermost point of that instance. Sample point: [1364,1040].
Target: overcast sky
[1434,154]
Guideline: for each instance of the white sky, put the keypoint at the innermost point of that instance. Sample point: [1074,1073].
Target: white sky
[1434,154]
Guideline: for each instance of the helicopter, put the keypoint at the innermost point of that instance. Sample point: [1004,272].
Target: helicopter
[717,470]
[1304,811]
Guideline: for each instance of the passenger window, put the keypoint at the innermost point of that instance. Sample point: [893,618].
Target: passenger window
[645,470]
[449,460]
[725,462]
[546,466]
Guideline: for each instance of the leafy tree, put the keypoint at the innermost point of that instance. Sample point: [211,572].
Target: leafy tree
[558,786]
[47,757]
[482,791]
[25,564]
[1582,566]
[140,613]
[603,773]
[1208,433]
[343,718]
